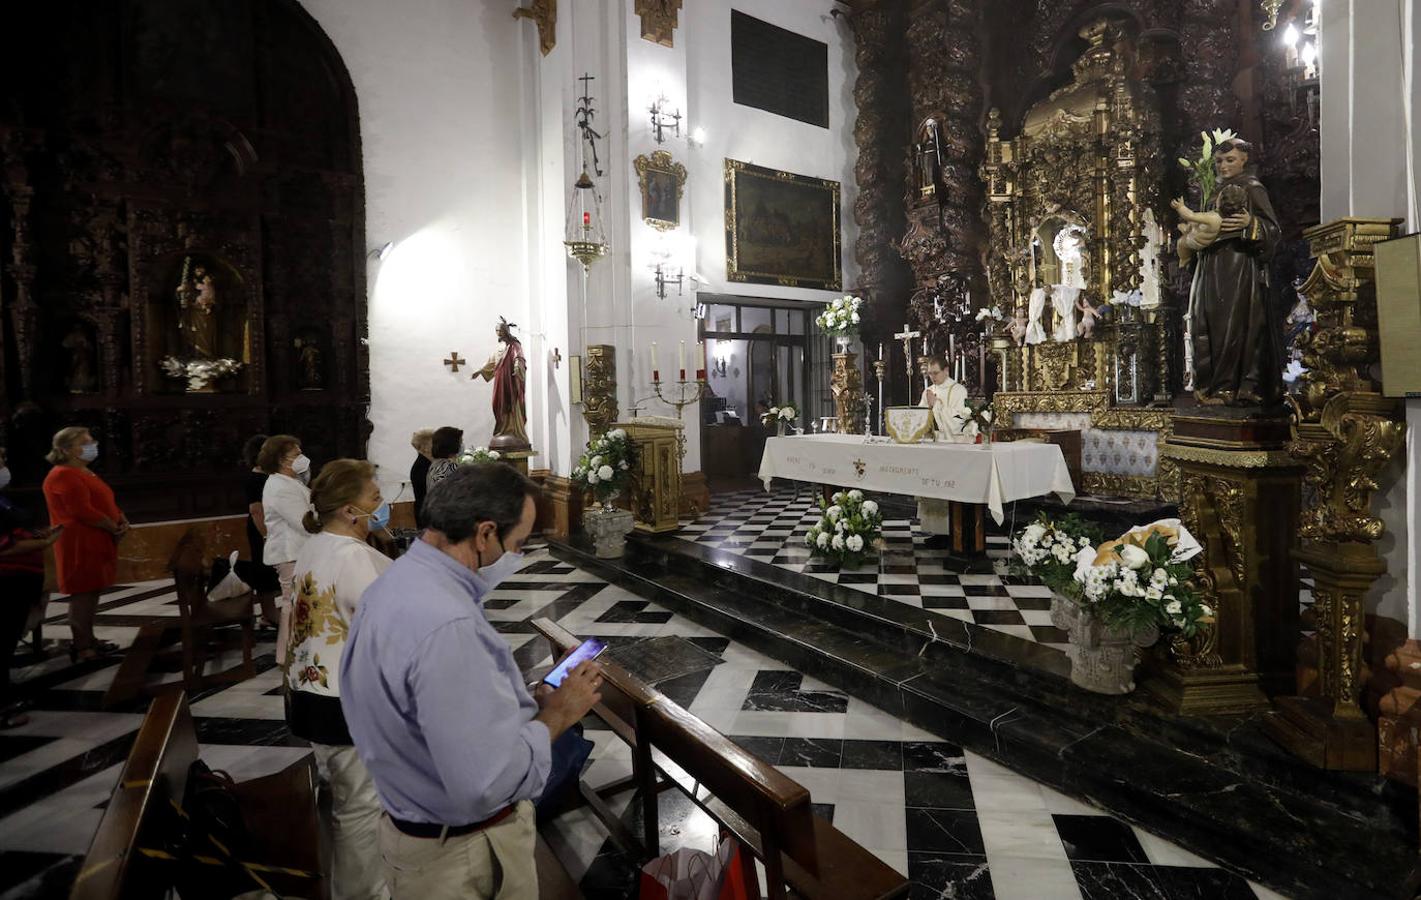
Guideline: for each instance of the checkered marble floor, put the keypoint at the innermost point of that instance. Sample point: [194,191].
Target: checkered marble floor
[956,823]
[771,526]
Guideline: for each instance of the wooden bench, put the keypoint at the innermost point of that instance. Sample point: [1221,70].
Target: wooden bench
[126,860]
[202,626]
[767,812]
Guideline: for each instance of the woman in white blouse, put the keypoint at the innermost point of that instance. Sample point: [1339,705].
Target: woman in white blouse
[285,501]
[332,570]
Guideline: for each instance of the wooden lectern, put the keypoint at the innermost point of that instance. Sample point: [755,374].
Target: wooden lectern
[655,493]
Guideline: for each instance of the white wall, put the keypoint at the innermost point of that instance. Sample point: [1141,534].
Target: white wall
[694,75]
[1370,130]
[444,89]
[469,152]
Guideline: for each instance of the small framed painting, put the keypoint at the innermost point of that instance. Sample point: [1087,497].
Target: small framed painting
[663,182]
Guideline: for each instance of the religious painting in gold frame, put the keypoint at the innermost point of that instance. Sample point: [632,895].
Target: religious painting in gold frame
[663,182]
[781,228]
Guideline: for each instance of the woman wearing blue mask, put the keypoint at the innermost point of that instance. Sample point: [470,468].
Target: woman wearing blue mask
[333,569]
[86,554]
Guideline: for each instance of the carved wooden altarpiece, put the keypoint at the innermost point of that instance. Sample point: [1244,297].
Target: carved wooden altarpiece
[175,153]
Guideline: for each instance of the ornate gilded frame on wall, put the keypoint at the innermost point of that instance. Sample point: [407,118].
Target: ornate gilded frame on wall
[663,182]
[764,208]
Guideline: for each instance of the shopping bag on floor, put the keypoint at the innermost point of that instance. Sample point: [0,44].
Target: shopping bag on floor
[229,585]
[695,875]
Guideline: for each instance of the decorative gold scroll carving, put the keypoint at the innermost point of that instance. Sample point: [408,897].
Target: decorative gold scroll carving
[659,20]
[599,387]
[544,14]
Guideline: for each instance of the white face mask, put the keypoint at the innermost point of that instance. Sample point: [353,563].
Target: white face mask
[89,452]
[4,477]
[301,464]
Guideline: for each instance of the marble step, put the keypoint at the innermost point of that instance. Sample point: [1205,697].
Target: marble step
[1214,785]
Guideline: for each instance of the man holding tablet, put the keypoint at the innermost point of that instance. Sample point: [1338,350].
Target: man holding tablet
[457,747]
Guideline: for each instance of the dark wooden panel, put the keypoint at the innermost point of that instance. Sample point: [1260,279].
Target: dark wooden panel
[779,71]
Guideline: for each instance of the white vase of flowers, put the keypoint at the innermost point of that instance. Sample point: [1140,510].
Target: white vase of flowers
[782,418]
[1115,596]
[849,531]
[841,319]
[605,470]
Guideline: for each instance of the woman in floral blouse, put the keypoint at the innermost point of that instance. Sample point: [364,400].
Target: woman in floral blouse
[333,568]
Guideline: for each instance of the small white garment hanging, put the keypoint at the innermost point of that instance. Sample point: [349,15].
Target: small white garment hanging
[1036,305]
[1063,300]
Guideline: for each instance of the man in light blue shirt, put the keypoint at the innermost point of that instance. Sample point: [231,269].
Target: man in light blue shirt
[455,744]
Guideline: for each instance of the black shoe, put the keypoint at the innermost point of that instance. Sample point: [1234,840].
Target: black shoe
[938,542]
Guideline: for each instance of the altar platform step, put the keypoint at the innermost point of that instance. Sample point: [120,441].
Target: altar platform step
[1215,785]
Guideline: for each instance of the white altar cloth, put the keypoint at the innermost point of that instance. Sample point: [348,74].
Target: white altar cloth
[993,474]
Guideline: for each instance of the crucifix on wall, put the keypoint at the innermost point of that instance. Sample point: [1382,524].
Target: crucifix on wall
[454,362]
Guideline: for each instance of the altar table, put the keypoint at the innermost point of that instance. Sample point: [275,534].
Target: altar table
[990,474]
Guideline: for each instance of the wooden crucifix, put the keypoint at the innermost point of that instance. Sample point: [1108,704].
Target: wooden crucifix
[907,337]
[454,362]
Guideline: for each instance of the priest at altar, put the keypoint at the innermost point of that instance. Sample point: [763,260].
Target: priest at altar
[952,421]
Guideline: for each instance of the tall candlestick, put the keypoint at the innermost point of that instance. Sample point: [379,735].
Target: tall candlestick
[655,366]
[951,351]
[681,359]
[982,365]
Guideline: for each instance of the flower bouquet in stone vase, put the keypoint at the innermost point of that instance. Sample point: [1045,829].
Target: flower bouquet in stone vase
[781,418]
[849,530]
[1114,596]
[478,455]
[605,470]
[841,319]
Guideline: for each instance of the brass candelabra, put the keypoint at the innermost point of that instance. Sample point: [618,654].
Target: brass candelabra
[688,391]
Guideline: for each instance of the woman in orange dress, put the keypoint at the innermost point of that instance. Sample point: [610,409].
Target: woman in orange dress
[86,553]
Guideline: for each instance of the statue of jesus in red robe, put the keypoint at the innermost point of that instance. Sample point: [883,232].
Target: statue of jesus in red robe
[509,373]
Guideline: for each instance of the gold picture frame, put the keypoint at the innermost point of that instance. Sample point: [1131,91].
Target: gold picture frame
[781,228]
[663,182]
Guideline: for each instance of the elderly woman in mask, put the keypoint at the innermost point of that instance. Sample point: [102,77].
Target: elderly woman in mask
[86,554]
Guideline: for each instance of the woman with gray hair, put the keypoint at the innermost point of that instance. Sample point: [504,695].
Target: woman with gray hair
[86,554]
[423,443]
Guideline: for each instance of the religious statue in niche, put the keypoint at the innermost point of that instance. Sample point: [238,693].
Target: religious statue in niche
[927,160]
[1236,358]
[198,310]
[309,367]
[80,377]
[509,373]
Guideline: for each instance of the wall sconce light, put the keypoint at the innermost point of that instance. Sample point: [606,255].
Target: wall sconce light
[663,121]
[698,136]
[664,278]
[723,356]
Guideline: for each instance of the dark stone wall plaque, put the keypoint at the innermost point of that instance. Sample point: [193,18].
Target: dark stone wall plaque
[779,71]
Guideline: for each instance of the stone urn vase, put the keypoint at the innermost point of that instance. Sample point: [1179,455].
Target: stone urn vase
[608,526]
[1102,658]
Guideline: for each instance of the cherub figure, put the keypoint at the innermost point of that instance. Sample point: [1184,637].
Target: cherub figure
[1018,328]
[1088,316]
[1200,229]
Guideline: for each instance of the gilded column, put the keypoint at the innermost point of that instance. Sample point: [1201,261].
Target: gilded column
[1346,433]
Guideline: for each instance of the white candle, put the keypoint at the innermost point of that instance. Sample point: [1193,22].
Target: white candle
[654,364]
[702,355]
[951,350]
[681,359]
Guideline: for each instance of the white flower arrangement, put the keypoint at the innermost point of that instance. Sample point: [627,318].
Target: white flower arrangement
[478,455]
[849,530]
[1144,578]
[786,413]
[991,314]
[199,373]
[605,466]
[841,318]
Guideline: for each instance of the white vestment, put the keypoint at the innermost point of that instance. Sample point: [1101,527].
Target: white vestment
[951,423]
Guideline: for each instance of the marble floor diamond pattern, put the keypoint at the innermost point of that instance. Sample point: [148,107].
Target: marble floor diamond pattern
[770,527]
[956,823]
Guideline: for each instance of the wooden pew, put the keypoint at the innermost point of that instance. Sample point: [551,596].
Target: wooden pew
[202,627]
[127,859]
[765,810]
